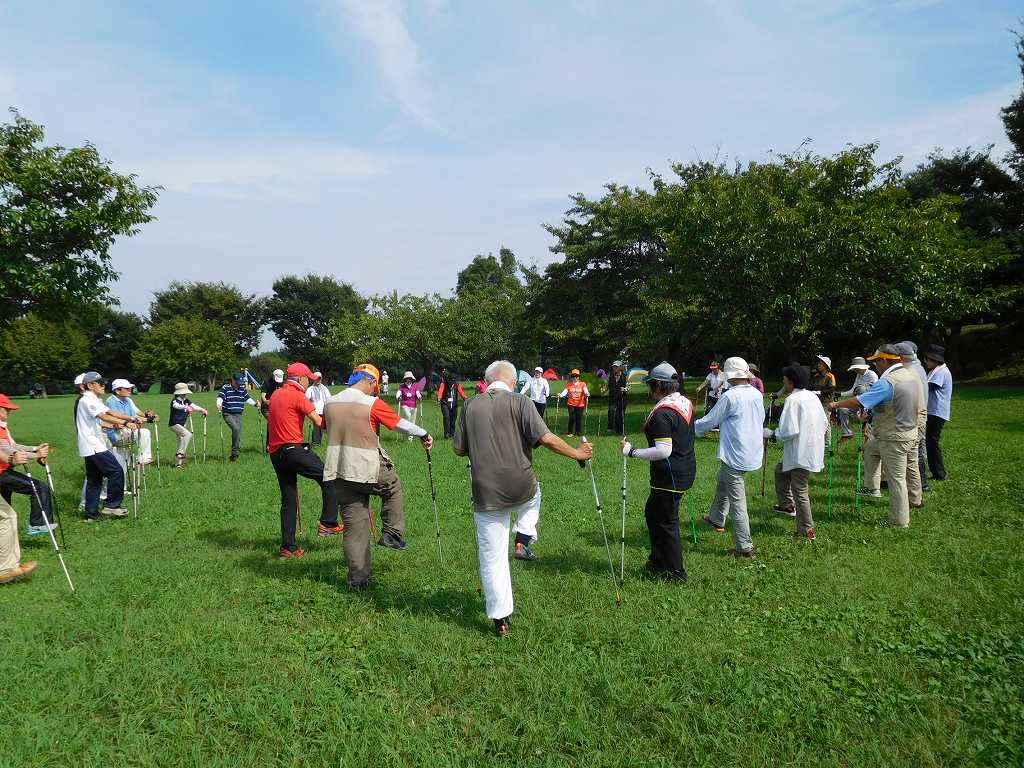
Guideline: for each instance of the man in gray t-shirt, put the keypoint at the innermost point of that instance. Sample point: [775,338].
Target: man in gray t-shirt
[498,430]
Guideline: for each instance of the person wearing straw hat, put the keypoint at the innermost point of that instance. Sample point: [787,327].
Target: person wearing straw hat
[618,389]
[498,431]
[181,407]
[318,393]
[669,433]
[11,567]
[537,388]
[865,378]
[739,415]
[940,393]
[231,401]
[11,482]
[100,463]
[121,402]
[576,395]
[801,429]
[716,383]
[358,467]
[894,402]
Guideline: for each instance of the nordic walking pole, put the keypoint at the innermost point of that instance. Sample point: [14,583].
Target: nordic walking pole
[46,520]
[860,464]
[223,454]
[192,442]
[604,529]
[693,522]
[558,401]
[53,500]
[433,499]
[156,429]
[831,458]
[205,420]
[622,535]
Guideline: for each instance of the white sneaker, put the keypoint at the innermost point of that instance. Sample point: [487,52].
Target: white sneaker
[37,530]
[115,512]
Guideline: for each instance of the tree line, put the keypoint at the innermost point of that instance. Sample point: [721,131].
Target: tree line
[775,260]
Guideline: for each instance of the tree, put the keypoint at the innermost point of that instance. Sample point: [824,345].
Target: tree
[38,351]
[301,310]
[185,349]
[60,211]
[1013,119]
[262,365]
[240,316]
[487,272]
[113,337]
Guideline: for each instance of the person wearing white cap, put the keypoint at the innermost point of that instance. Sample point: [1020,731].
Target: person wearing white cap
[270,386]
[618,389]
[739,415]
[385,382]
[538,389]
[181,407]
[408,396]
[317,394]
[669,433]
[865,378]
[121,402]
[100,463]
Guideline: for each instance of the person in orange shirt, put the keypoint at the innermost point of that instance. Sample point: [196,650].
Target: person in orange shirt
[577,393]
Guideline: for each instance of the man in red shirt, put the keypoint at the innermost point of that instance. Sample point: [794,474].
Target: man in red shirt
[291,457]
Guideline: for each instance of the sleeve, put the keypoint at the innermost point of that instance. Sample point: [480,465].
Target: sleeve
[220,400]
[547,389]
[713,418]
[879,393]
[94,407]
[534,427]
[408,428]
[440,392]
[458,388]
[586,391]
[306,407]
[563,393]
[789,422]
[380,413]
[177,405]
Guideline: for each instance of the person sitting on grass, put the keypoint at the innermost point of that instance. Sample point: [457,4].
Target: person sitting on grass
[11,567]
[801,429]
[121,402]
[181,408]
[100,463]
[669,432]
[12,482]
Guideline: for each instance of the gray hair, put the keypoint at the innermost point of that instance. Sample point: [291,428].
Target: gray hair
[499,369]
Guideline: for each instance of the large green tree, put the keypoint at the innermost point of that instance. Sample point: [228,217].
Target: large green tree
[186,349]
[240,316]
[113,337]
[301,309]
[60,211]
[37,351]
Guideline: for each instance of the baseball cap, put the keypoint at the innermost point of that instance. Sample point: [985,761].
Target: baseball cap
[121,384]
[538,369]
[300,369]
[90,377]
[238,376]
[662,372]
[886,352]
[316,376]
[574,372]
[278,375]
[365,371]
[5,402]
[906,349]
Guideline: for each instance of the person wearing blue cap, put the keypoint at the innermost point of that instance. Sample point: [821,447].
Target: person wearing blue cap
[669,433]
[231,401]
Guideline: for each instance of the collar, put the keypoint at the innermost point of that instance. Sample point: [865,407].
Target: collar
[890,369]
[499,385]
[295,384]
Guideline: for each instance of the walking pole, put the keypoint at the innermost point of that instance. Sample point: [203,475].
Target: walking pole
[558,401]
[46,520]
[53,499]
[604,530]
[831,457]
[156,428]
[205,419]
[622,536]
[223,454]
[192,429]
[433,499]
[693,522]
[860,464]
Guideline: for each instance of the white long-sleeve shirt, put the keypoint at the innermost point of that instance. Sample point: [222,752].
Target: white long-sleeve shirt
[537,388]
[801,429]
[739,414]
[861,384]
[318,395]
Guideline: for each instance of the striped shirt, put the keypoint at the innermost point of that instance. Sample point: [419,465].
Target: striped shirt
[234,399]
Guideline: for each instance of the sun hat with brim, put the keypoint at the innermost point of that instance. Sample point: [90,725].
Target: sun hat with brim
[936,353]
[5,402]
[826,360]
[407,375]
[278,375]
[121,384]
[181,388]
[91,377]
[736,368]
[574,372]
[662,372]
[617,364]
[858,364]
[885,352]
[912,345]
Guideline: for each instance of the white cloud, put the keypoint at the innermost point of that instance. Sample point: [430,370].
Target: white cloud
[399,60]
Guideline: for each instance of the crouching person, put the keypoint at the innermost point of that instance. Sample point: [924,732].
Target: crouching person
[41,517]
[11,567]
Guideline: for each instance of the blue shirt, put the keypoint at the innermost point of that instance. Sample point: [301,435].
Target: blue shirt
[234,400]
[125,407]
[878,394]
[740,414]
[940,392]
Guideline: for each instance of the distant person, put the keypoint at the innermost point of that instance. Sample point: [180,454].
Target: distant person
[537,389]
[318,394]
[755,379]
[448,395]
[231,401]
[865,378]
[498,432]
[121,402]
[940,395]
[409,396]
[270,385]
[91,415]
[385,382]
[715,383]
[576,395]
[12,482]
[181,408]
[618,391]
[11,567]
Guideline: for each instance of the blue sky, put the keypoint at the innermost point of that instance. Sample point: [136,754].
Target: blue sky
[387,142]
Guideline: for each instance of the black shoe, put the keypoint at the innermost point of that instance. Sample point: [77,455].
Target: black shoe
[502,627]
[234,457]
[391,541]
[360,587]
[523,552]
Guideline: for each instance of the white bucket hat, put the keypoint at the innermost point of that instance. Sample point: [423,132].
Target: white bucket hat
[826,360]
[121,384]
[858,364]
[407,375]
[736,368]
[181,388]
[538,369]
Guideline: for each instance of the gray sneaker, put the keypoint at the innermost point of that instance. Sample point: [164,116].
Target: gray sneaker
[39,530]
[872,493]
[114,512]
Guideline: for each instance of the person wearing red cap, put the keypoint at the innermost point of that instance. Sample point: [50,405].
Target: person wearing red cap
[12,482]
[11,567]
[291,457]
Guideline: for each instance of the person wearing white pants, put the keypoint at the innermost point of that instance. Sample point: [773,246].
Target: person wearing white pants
[408,396]
[498,431]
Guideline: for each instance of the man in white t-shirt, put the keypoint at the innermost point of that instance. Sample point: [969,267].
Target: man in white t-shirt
[318,394]
[91,415]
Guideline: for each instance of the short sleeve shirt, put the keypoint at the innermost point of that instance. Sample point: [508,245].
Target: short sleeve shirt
[288,407]
[677,472]
[499,430]
[940,392]
[87,422]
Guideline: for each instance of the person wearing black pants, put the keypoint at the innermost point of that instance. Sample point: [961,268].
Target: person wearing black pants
[617,388]
[669,432]
[12,482]
[932,438]
[448,395]
[576,419]
[290,461]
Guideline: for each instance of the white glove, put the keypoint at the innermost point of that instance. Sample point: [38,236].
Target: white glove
[626,448]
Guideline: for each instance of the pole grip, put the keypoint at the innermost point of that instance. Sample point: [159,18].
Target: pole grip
[582,463]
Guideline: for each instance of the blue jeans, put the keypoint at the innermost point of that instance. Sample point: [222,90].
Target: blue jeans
[99,466]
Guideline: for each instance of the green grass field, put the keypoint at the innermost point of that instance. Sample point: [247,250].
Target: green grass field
[189,643]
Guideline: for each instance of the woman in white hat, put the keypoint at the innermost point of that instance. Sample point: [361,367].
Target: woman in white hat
[181,407]
[408,396]
[865,378]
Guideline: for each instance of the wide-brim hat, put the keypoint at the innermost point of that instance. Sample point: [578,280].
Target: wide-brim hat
[617,364]
[937,353]
[121,384]
[736,368]
[753,368]
[858,364]
[78,379]
[5,402]
[407,375]
[181,388]
[906,349]
[826,360]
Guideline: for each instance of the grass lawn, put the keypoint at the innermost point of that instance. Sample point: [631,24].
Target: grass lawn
[189,643]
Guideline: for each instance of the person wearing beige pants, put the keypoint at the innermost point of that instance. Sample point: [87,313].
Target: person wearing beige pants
[11,568]
[899,459]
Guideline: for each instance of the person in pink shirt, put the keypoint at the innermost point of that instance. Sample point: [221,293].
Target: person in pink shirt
[408,396]
[755,380]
